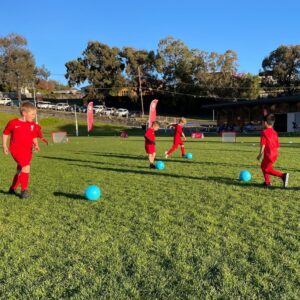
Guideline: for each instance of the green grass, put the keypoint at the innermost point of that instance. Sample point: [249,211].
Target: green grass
[191,231]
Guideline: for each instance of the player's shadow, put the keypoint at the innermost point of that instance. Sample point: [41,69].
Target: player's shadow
[218,180]
[68,195]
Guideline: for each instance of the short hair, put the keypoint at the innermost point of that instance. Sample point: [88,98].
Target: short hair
[26,106]
[182,120]
[155,123]
[270,119]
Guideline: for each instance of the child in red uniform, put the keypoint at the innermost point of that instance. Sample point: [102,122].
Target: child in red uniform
[150,143]
[23,136]
[269,149]
[177,138]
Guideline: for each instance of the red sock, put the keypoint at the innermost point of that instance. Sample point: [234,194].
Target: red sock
[182,150]
[24,178]
[16,180]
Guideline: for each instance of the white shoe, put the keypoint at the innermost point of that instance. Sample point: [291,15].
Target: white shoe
[166,155]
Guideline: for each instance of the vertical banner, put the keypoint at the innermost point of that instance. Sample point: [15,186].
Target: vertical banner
[152,112]
[90,116]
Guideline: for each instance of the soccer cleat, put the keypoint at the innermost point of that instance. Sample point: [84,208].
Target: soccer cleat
[183,156]
[24,194]
[285,179]
[166,154]
[152,166]
[267,185]
[11,191]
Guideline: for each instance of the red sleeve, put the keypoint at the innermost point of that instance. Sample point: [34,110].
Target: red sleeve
[263,140]
[9,127]
[148,134]
[39,133]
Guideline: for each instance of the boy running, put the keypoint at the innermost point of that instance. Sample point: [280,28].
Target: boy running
[269,150]
[23,134]
[150,143]
[178,134]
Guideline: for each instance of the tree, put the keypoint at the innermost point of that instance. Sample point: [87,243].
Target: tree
[284,65]
[100,66]
[17,63]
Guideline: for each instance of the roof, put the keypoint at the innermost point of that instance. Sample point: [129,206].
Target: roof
[289,99]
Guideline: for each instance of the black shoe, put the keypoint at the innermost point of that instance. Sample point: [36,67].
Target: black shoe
[152,166]
[285,179]
[24,194]
[12,192]
[267,185]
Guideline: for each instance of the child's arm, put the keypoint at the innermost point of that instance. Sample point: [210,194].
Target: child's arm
[36,145]
[183,135]
[149,140]
[4,144]
[261,151]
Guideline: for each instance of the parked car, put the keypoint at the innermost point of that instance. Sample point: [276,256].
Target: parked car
[83,109]
[109,111]
[43,104]
[122,112]
[99,109]
[51,106]
[72,108]
[134,114]
[13,103]
[61,106]
[5,101]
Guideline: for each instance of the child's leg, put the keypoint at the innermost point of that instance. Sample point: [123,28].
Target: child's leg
[182,149]
[174,147]
[151,159]
[267,168]
[24,177]
[16,180]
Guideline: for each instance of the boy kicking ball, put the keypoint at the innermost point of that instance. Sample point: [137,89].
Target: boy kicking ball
[23,134]
[269,145]
[178,134]
[150,143]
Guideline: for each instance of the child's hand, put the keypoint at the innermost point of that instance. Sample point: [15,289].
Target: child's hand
[259,156]
[5,150]
[36,148]
[45,141]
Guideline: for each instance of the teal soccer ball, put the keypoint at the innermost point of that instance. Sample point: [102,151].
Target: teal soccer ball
[160,165]
[92,193]
[189,155]
[245,176]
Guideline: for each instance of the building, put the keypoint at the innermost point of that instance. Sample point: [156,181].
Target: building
[240,113]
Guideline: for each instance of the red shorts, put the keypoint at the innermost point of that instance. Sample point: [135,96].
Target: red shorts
[23,159]
[150,149]
[178,142]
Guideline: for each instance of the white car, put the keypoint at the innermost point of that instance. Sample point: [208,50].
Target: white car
[109,111]
[99,109]
[61,106]
[5,101]
[43,104]
[122,112]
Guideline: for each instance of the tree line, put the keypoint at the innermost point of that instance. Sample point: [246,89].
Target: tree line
[172,70]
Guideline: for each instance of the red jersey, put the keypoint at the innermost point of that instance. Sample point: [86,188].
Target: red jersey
[21,134]
[150,137]
[177,134]
[269,138]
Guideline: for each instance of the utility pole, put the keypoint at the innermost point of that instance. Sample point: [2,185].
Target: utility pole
[141,91]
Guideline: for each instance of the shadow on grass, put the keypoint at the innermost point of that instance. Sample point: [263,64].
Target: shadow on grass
[218,180]
[180,160]
[69,195]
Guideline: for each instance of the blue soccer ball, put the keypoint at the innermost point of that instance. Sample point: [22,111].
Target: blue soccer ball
[160,165]
[189,155]
[245,176]
[92,193]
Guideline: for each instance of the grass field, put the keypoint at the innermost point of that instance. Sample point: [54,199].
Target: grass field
[191,231]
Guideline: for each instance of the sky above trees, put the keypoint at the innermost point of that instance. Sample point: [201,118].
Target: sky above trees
[58,31]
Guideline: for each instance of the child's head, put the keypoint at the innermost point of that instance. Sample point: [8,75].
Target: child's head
[269,121]
[155,125]
[28,111]
[182,121]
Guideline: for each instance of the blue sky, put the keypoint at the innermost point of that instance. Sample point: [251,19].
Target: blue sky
[58,31]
